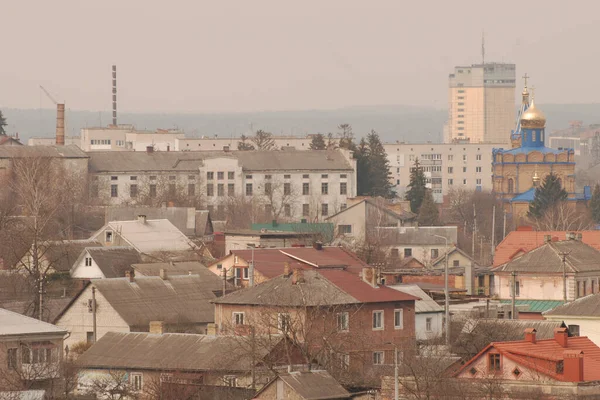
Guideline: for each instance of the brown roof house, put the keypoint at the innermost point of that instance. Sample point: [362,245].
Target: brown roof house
[152,362]
[30,352]
[304,385]
[345,322]
[133,304]
[104,262]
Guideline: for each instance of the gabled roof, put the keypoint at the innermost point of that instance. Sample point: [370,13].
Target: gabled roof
[314,385]
[52,307]
[188,220]
[114,261]
[12,323]
[528,240]
[395,212]
[62,255]
[425,304]
[543,355]
[180,268]
[548,259]
[270,262]
[322,287]
[69,151]
[454,250]
[174,351]
[588,306]
[150,236]
[175,300]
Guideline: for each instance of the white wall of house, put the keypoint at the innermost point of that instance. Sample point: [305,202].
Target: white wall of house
[421,252]
[534,287]
[588,326]
[83,271]
[78,320]
[353,217]
[429,325]
[163,141]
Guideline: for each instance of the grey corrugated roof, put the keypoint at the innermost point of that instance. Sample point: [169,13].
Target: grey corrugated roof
[177,300]
[547,258]
[211,281]
[62,255]
[588,306]
[203,223]
[70,151]
[174,351]
[52,307]
[419,236]
[426,304]
[165,161]
[184,218]
[12,323]
[315,385]
[114,261]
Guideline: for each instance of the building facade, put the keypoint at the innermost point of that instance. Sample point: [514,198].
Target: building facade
[446,166]
[127,138]
[481,103]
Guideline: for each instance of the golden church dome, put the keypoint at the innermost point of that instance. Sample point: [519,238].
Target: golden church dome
[533,118]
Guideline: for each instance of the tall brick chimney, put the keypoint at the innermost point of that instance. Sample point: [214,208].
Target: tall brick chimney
[573,365]
[561,335]
[530,335]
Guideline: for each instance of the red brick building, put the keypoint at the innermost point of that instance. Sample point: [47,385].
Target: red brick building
[344,322]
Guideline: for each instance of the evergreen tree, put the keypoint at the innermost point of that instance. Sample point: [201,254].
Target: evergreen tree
[244,144]
[330,141]
[428,214]
[318,142]
[2,124]
[361,153]
[547,195]
[595,204]
[378,168]
[264,140]
[417,188]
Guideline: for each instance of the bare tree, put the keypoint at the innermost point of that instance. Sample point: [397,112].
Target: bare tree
[563,217]
[263,140]
[112,385]
[280,199]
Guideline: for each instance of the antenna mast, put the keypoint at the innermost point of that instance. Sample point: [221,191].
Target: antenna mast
[482,48]
[114,95]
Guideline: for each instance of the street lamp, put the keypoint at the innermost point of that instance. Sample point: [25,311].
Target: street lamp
[446,293]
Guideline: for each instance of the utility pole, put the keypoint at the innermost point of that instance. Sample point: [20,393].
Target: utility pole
[253,338]
[513,294]
[94,330]
[481,250]
[41,311]
[504,227]
[224,281]
[564,265]
[395,372]
[474,231]
[493,232]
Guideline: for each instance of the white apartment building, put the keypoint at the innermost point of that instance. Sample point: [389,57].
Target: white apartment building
[209,143]
[127,138]
[287,184]
[481,103]
[446,165]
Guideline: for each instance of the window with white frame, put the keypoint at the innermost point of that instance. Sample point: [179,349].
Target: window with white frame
[344,229]
[378,358]
[238,318]
[88,261]
[137,382]
[428,322]
[399,318]
[377,320]
[343,321]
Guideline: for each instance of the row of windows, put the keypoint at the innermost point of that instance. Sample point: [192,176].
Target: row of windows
[99,141]
[451,182]
[304,176]
[219,212]
[220,175]
[36,354]
[451,169]
[287,188]
[152,190]
[151,177]
[412,157]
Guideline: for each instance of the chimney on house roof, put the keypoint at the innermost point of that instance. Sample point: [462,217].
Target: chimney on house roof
[318,245]
[163,274]
[369,276]
[298,276]
[570,235]
[149,149]
[226,149]
[157,327]
[141,218]
[530,335]
[286,269]
[131,275]
[573,365]
[561,335]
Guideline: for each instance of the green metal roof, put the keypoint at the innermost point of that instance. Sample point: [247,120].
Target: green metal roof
[537,306]
[326,229]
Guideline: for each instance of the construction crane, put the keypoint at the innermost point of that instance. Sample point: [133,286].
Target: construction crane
[60,118]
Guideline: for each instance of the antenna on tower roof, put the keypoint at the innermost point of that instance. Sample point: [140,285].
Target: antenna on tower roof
[483,47]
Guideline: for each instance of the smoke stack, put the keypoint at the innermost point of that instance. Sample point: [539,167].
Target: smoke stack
[114,94]
[60,124]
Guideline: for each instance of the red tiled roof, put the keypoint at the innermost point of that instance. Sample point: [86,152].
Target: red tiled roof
[270,262]
[529,240]
[543,355]
[362,291]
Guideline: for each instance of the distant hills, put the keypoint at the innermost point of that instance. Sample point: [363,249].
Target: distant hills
[404,123]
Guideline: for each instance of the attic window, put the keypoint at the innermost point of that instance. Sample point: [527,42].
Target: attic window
[88,261]
[108,237]
[473,371]
[516,372]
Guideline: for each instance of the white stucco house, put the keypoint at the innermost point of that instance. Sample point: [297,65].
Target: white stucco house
[429,315]
[581,316]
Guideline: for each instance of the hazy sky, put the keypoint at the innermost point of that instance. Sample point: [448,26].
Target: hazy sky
[219,55]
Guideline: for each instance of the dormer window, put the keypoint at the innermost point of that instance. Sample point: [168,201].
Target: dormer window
[88,261]
[108,236]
